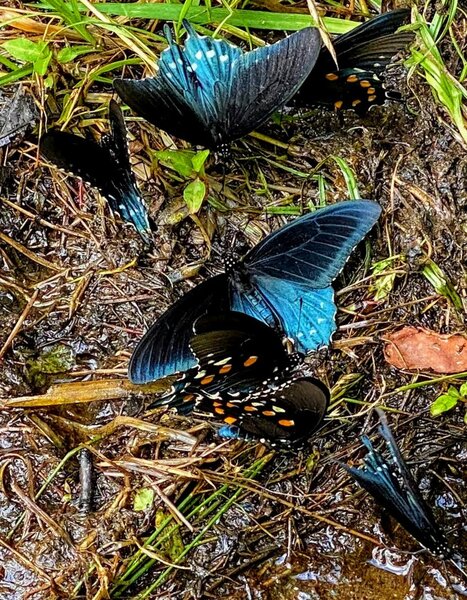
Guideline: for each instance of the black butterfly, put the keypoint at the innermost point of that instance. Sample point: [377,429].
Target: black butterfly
[284,281]
[393,487]
[362,56]
[105,166]
[242,377]
[211,92]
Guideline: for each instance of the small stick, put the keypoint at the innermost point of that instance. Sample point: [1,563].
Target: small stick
[19,323]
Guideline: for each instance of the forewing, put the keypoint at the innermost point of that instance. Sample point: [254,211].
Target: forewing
[375,41]
[267,78]
[165,347]
[81,157]
[313,249]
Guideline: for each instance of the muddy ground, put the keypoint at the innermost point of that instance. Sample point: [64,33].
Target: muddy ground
[103,289]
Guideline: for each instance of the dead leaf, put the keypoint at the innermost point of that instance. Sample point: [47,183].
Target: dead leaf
[423,349]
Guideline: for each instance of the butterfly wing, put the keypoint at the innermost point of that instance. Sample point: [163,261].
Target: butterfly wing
[105,167]
[81,157]
[287,414]
[285,280]
[305,315]
[188,95]
[393,487]
[314,248]
[127,199]
[362,55]
[266,78]
[165,347]
[211,93]
[235,355]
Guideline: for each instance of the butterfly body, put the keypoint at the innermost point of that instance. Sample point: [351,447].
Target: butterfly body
[283,282]
[210,92]
[363,54]
[105,166]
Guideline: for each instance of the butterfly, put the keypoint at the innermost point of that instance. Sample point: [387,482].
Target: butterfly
[105,166]
[284,282]
[362,57]
[210,92]
[243,377]
[393,487]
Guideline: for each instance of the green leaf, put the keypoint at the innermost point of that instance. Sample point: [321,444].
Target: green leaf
[144,498]
[69,53]
[198,160]
[42,62]
[194,194]
[180,161]
[463,390]
[453,392]
[442,404]
[24,49]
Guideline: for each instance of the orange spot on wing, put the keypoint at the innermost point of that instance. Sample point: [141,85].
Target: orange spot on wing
[286,422]
[249,408]
[207,380]
[225,369]
[365,83]
[332,76]
[219,411]
[230,420]
[230,405]
[269,413]
[370,91]
[352,79]
[354,103]
[371,98]
[188,398]
[338,104]
[250,361]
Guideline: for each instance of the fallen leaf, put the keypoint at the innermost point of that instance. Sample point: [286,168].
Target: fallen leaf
[423,349]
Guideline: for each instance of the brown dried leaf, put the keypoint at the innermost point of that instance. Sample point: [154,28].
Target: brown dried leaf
[423,349]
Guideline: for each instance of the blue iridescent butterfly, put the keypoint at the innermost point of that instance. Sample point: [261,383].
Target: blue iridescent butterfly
[393,487]
[284,282]
[362,55]
[210,92]
[105,166]
[245,377]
